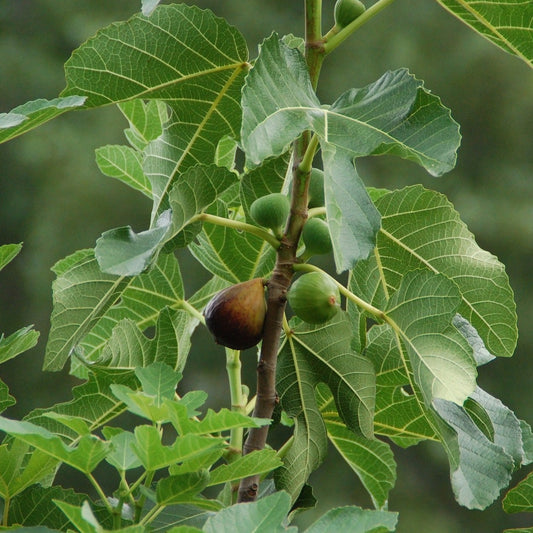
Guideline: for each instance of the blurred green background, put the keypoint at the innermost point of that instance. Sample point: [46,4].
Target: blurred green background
[53,198]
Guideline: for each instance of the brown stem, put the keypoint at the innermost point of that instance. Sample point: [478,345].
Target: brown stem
[279,283]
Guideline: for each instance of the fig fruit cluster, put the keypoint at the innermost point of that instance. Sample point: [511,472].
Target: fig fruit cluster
[236,315]
[314,297]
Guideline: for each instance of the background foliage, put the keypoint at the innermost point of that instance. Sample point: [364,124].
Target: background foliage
[56,201]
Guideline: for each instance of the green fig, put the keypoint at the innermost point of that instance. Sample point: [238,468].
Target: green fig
[271,211]
[314,297]
[316,188]
[316,237]
[347,11]
[236,315]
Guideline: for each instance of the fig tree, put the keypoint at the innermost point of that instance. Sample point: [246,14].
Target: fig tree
[314,297]
[316,237]
[271,211]
[316,188]
[236,315]
[347,11]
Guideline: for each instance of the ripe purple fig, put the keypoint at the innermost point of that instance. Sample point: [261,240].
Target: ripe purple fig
[236,315]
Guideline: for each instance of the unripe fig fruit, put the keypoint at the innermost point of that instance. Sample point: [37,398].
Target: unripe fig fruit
[236,315]
[271,211]
[316,237]
[347,11]
[314,297]
[316,188]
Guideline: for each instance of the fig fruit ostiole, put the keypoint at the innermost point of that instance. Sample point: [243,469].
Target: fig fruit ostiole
[314,297]
[236,315]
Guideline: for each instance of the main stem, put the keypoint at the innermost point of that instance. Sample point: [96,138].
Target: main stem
[279,283]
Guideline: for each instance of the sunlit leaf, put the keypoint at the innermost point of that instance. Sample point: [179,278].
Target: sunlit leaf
[19,469]
[355,520]
[8,252]
[84,457]
[506,23]
[123,252]
[27,116]
[395,115]
[121,455]
[441,360]
[21,341]
[479,468]
[154,455]
[256,462]
[421,229]
[266,515]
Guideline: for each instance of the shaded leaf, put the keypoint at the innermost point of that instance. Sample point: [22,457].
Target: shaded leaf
[370,459]
[82,294]
[352,218]
[232,255]
[125,164]
[146,119]
[520,498]
[311,355]
[129,348]
[196,190]
[20,469]
[6,400]
[399,414]
[35,507]
[93,402]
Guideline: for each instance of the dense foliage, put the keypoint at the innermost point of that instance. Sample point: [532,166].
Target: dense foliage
[424,305]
